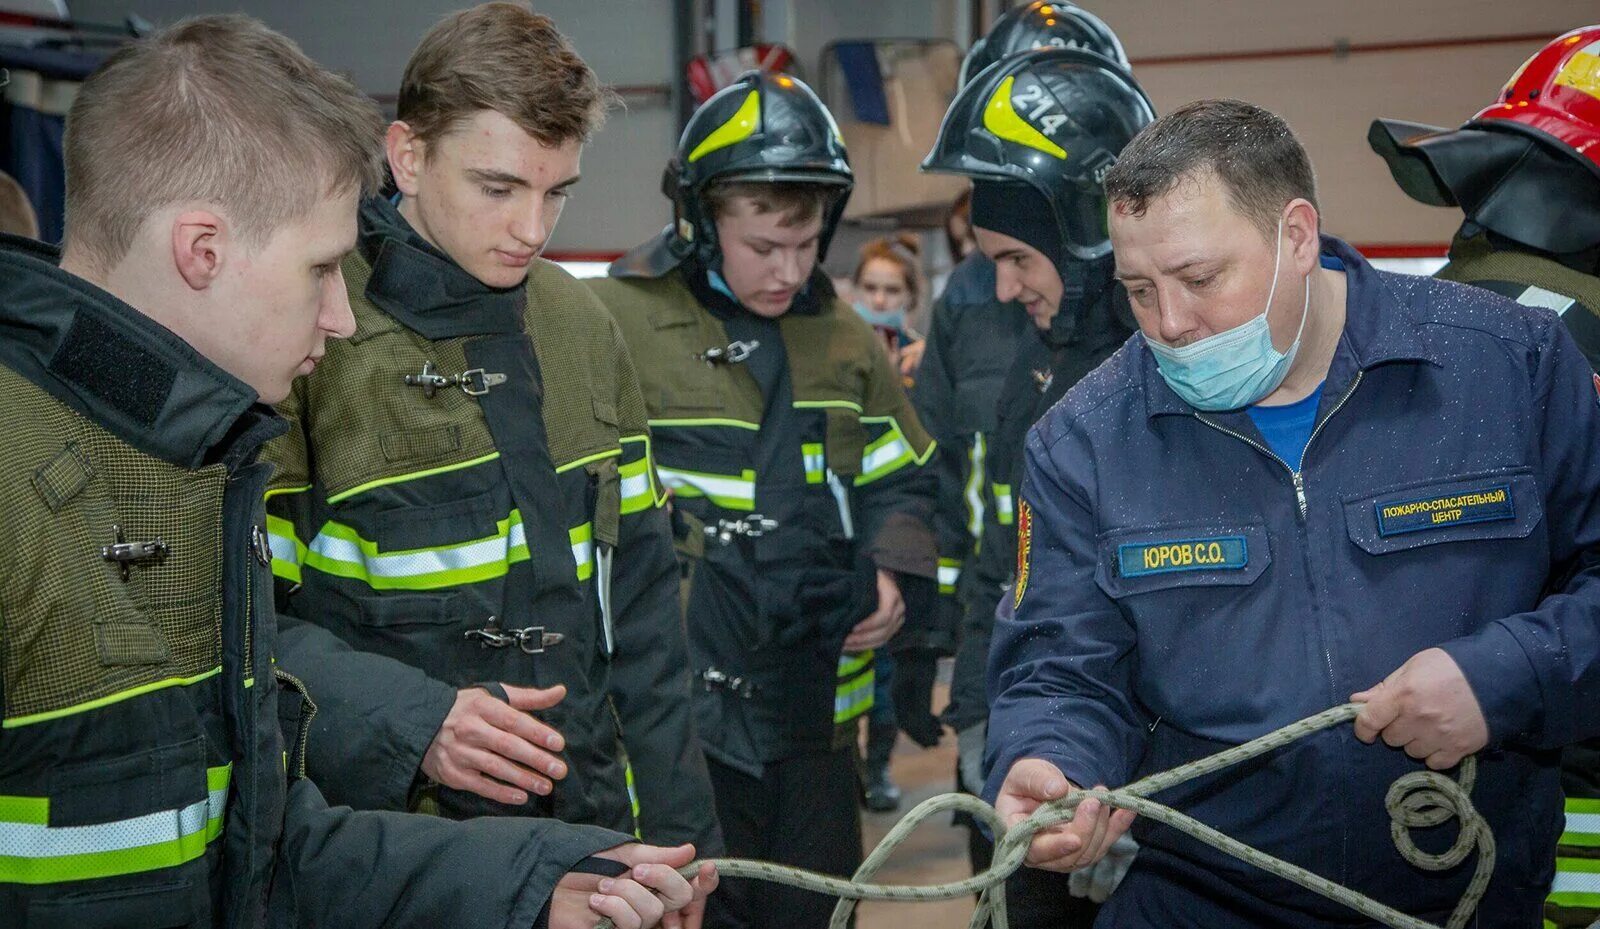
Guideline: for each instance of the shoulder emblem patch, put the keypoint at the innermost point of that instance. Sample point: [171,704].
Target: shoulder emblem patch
[1024,549]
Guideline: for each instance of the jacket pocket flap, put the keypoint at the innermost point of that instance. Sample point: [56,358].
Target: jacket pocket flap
[1492,505]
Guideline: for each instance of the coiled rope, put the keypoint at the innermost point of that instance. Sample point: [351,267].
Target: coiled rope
[1420,799]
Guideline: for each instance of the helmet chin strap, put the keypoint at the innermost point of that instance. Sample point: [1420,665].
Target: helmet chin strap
[1083,284]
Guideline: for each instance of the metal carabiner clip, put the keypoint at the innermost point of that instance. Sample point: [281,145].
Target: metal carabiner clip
[731,354]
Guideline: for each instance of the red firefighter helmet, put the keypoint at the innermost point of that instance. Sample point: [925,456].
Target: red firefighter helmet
[1556,92]
[1528,165]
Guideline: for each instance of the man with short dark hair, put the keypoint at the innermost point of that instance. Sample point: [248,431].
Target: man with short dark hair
[1307,482]
[466,498]
[152,757]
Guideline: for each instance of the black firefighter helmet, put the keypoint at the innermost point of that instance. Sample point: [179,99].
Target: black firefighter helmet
[764,128]
[1054,119]
[1042,25]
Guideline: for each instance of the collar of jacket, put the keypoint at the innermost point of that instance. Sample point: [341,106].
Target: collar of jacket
[1094,309]
[121,369]
[422,288]
[1379,328]
[818,293]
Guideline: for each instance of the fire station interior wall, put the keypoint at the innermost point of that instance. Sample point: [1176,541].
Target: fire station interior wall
[1329,100]
[627,42]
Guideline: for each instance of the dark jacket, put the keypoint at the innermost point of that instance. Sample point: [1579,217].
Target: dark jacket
[973,340]
[1483,259]
[798,472]
[423,526]
[152,758]
[1187,591]
[1040,374]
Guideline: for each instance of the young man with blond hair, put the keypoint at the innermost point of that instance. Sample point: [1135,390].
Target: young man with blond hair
[466,498]
[152,757]
[798,472]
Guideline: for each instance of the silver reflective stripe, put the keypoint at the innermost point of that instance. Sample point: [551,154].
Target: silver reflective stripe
[284,548]
[884,455]
[842,498]
[715,486]
[31,840]
[423,561]
[636,486]
[1586,823]
[1546,299]
[1581,882]
[949,575]
[975,505]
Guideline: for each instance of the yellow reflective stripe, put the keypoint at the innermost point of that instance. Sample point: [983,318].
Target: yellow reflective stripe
[852,696]
[639,488]
[31,810]
[34,852]
[889,452]
[598,456]
[851,664]
[633,794]
[974,490]
[19,721]
[413,476]
[815,462]
[949,574]
[1577,883]
[677,423]
[884,455]
[288,552]
[733,492]
[828,405]
[582,539]
[1005,507]
[340,551]
[1583,823]
[1000,118]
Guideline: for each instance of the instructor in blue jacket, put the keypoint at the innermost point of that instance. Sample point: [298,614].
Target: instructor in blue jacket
[1304,482]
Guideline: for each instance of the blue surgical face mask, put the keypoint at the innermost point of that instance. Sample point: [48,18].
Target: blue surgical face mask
[886,319]
[1232,369]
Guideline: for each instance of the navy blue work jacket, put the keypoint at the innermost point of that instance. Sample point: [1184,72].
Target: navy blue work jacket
[1185,590]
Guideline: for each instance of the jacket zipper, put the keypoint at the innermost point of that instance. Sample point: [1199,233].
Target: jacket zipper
[1297,478]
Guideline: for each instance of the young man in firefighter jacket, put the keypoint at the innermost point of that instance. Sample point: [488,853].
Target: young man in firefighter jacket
[1526,172]
[152,757]
[798,474]
[974,340]
[465,497]
[1306,482]
[1036,219]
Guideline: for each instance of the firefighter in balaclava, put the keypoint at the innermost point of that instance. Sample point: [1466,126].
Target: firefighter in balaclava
[1525,171]
[799,473]
[1035,133]
[972,340]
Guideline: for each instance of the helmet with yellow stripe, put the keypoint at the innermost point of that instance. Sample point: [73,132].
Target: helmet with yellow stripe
[764,127]
[1055,120]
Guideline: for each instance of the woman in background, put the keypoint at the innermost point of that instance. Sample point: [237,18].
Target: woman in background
[889,290]
[890,294]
